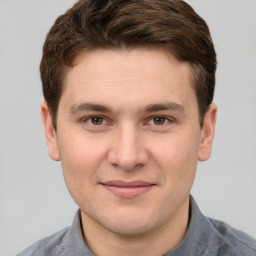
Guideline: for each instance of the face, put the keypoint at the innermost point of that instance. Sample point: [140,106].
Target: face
[129,138]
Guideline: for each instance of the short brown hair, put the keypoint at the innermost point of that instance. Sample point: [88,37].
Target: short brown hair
[93,24]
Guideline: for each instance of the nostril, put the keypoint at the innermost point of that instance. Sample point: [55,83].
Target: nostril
[127,151]
[128,162]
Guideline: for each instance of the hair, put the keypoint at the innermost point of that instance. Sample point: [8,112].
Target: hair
[116,24]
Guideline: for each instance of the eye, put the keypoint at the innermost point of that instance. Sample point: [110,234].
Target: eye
[96,120]
[158,120]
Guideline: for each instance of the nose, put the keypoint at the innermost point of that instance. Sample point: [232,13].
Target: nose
[128,152]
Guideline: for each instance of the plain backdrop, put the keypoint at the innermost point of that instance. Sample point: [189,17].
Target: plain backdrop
[34,201]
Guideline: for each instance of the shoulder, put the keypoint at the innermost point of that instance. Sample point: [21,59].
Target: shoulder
[49,246]
[230,241]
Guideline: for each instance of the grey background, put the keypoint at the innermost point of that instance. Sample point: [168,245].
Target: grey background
[34,201]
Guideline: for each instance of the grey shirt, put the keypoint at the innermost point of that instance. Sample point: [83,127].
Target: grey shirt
[205,236]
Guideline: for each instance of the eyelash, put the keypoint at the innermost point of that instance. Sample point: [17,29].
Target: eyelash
[89,120]
[163,118]
[149,122]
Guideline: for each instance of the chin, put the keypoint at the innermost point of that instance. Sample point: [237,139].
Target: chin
[127,223]
[129,229]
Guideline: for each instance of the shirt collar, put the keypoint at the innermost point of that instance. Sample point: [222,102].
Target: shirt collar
[197,235]
[194,242]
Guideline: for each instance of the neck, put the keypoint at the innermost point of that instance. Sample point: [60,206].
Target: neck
[157,242]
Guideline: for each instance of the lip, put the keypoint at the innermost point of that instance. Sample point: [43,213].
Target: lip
[127,189]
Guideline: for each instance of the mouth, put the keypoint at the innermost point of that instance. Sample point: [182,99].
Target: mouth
[128,189]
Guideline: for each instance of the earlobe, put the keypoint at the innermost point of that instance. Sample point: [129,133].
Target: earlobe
[50,133]
[207,133]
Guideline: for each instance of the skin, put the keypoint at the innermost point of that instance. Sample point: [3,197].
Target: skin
[130,116]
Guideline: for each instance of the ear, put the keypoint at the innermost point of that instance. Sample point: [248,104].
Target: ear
[50,133]
[207,133]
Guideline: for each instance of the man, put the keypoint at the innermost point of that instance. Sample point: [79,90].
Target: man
[128,111]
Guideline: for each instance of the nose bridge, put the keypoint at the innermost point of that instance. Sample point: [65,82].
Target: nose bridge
[128,150]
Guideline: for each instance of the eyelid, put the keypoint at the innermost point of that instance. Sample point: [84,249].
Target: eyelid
[87,120]
[167,119]
[106,120]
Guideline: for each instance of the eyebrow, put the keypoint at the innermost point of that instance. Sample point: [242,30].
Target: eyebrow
[166,106]
[87,106]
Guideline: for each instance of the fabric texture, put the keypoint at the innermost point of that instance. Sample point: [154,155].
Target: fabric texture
[204,237]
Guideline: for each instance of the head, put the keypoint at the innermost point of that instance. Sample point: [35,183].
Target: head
[89,25]
[128,110]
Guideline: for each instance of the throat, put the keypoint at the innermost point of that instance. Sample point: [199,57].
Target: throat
[158,241]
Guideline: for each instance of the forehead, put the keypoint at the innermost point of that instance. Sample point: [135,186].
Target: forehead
[129,75]
[152,61]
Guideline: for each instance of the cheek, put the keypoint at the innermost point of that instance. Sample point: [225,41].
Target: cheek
[81,157]
[176,157]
